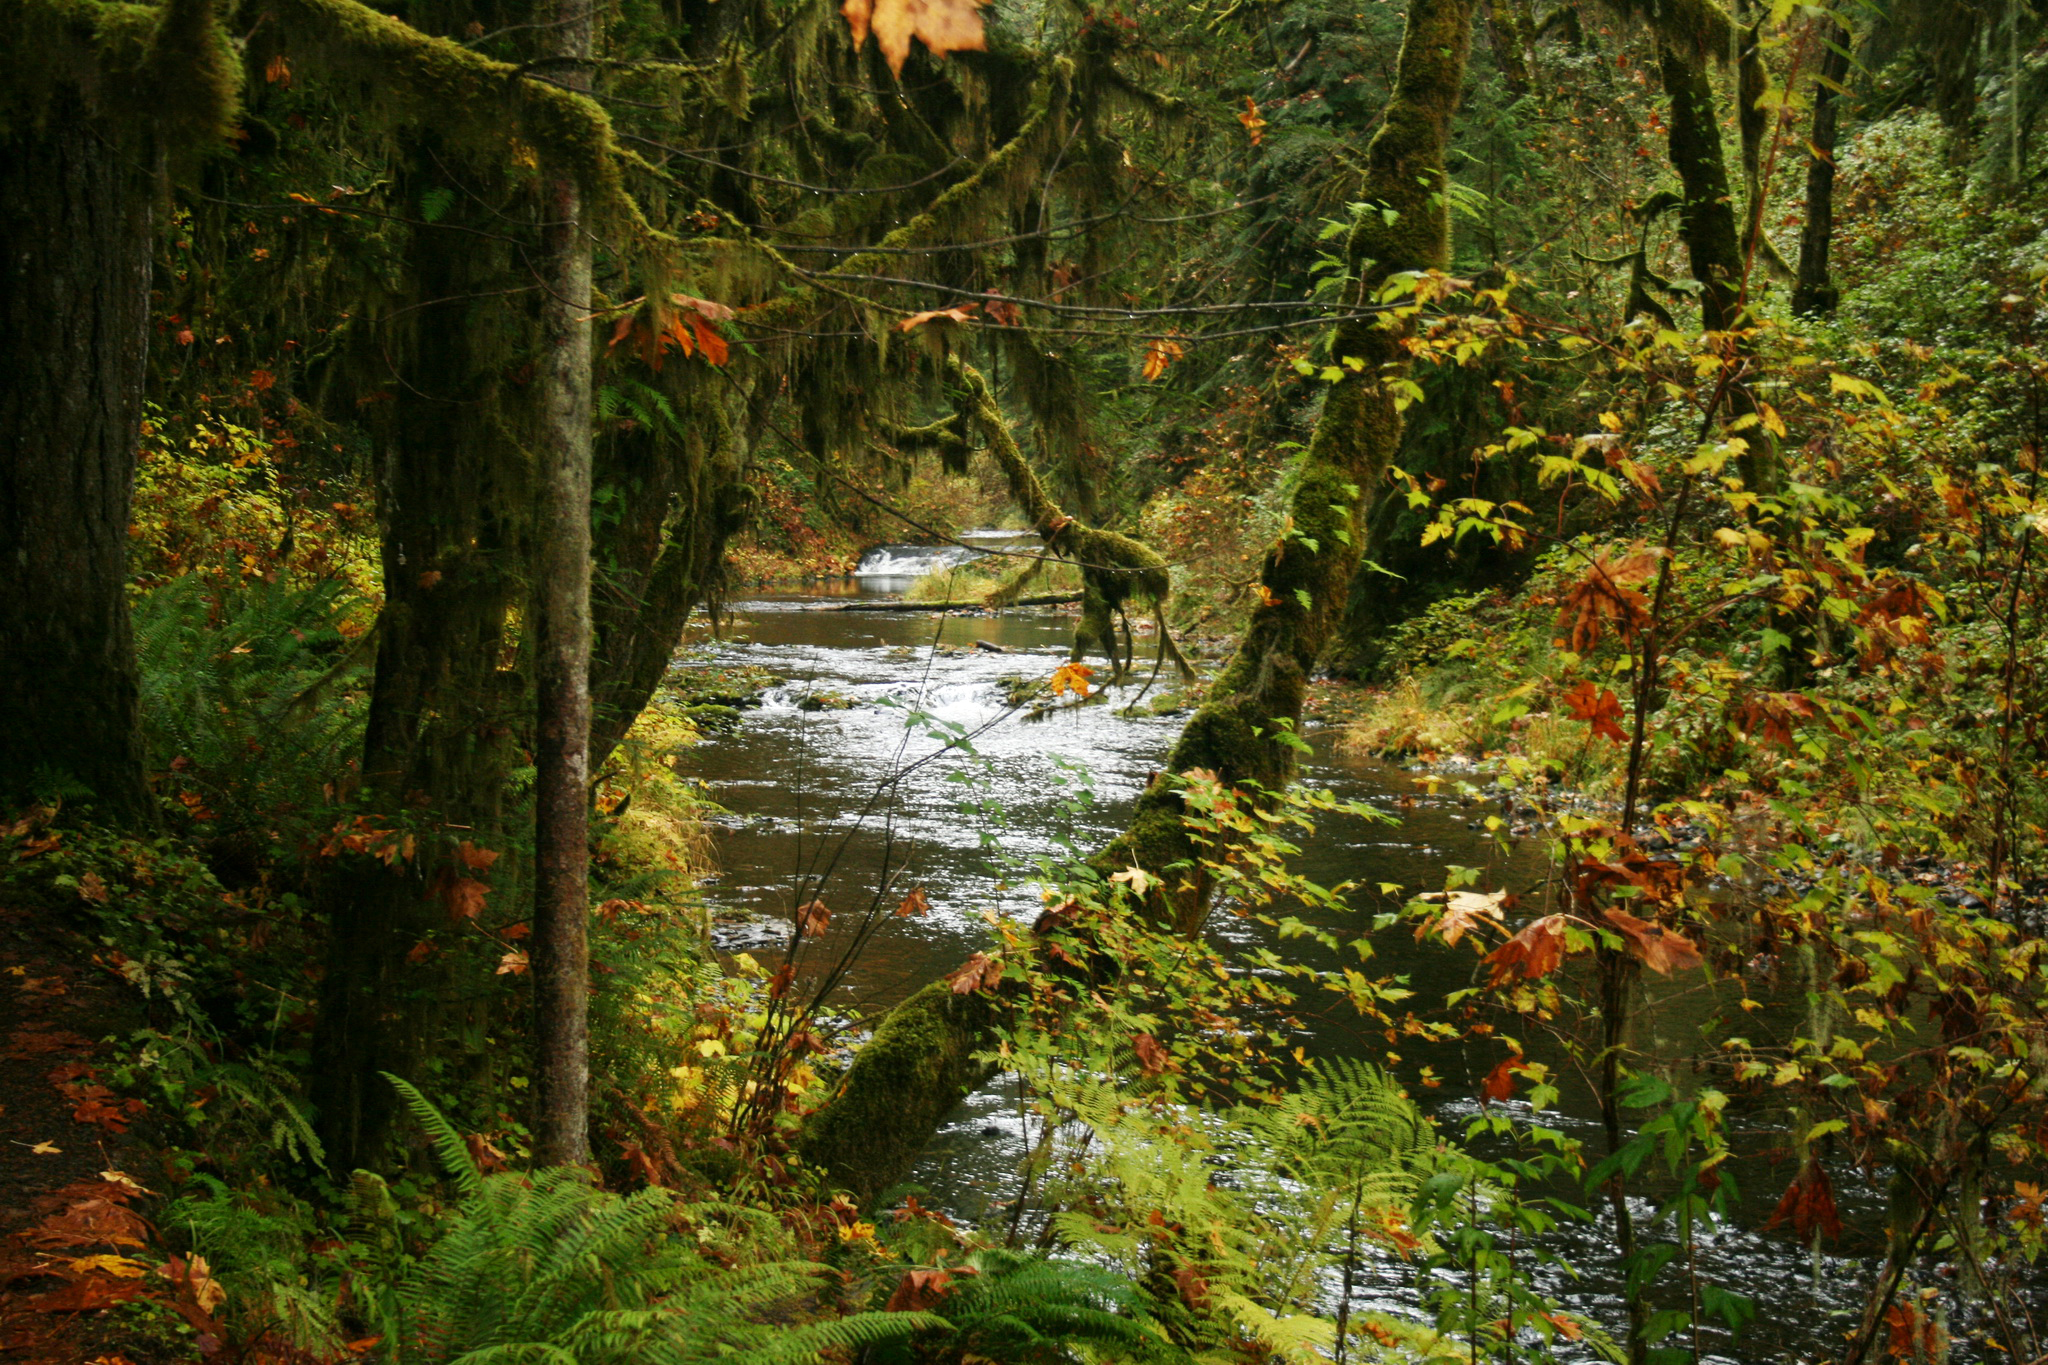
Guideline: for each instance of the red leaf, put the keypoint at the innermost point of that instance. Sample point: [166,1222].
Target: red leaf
[709,341]
[959,313]
[1152,1056]
[1659,949]
[1599,707]
[1809,1204]
[977,973]
[1534,952]
[464,897]
[1500,1082]
[474,858]
[919,1290]
[778,985]
[812,919]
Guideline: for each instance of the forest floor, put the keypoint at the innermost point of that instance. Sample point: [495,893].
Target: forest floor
[74,1244]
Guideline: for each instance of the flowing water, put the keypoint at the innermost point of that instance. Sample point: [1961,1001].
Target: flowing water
[849,804]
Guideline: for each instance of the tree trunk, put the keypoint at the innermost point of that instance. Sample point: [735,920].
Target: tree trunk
[920,1062]
[1815,293]
[75,239]
[447,706]
[561,913]
[1510,32]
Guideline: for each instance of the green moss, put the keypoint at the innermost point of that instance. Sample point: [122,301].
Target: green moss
[917,1067]
[1116,570]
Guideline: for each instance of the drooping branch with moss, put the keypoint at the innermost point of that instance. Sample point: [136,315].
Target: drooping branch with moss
[870,1134]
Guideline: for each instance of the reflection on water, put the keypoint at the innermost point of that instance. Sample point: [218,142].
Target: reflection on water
[856,806]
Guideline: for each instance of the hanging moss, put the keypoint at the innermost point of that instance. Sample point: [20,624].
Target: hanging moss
[1305,575]
[472,101]
[164,72]
[1116,571]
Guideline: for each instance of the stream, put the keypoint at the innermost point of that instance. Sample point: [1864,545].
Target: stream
[810,802]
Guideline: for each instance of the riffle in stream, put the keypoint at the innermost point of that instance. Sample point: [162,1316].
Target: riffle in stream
[821,804]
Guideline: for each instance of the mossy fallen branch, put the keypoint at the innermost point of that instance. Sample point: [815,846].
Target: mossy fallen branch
[1116,570]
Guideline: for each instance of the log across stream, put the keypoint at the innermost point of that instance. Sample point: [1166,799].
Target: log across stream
[808,794]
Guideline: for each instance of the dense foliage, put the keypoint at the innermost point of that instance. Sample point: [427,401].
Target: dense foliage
[1638,404]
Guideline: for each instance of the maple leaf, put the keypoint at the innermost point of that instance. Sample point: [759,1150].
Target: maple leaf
[474,858]
[1808,1204]
[278,71]
[1658,948]
[1534,952]
[1253,124]
[914,904]
[1137,878]
[464,896]
[1070,678]
[959,313]
[1464,911]
[709,341]
[941,25]
[705,308]
[978,973]
[513,963]
[1605,595]
[1770,716]
[1500,1082]
[812,919]
[919,1290]
[1160,354]
[778,984]
[1152,1055]
[1599,707]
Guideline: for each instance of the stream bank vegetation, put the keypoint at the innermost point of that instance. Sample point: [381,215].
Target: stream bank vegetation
[1645,400]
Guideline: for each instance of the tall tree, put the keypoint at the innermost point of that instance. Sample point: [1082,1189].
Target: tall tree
[94,101]
[1815,292]
[561,947]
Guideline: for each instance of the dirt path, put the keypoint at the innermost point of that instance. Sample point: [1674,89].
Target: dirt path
[74,1244]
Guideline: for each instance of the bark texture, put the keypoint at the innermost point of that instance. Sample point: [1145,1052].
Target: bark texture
[1815,292]
[75,224]
[561,910]
[448,702]
[927,1067]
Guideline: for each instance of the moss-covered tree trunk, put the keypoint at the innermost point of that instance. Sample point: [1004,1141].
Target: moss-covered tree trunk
[92,99]
[920,1062]
[448,704]
[1815,292]
[75,223]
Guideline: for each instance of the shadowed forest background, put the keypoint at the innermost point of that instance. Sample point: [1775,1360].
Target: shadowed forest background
[1614,427]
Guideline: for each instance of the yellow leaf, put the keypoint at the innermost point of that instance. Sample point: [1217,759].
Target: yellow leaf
[1072,678]
[46,1149]
[120,1266]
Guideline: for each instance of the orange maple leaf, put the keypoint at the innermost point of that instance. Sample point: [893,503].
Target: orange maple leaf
[958,313]
[1534,952]
[941,25]
[1658,948]
[1599,707]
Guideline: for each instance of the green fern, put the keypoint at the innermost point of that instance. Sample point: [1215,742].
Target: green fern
[543,1266]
